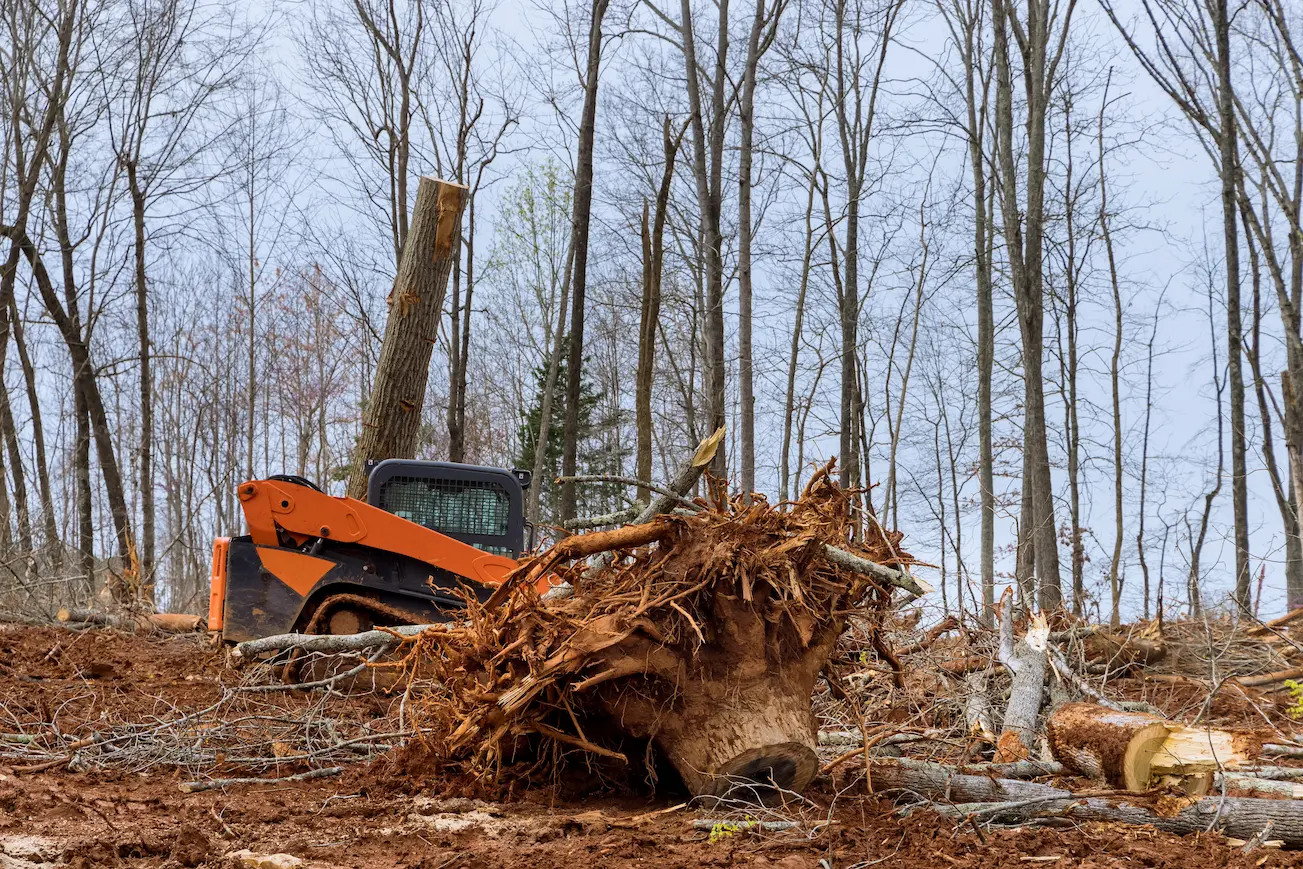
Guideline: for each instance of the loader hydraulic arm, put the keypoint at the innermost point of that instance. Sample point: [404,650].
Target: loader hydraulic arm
[275,506]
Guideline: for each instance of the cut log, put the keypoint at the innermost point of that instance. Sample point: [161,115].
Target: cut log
[1136,751]
[1121,653]
[1267,628]
[172,623]
[177,623]
[1275,678]
[393,409]
[1191,751]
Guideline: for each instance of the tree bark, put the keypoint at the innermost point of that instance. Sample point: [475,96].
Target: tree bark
[1228,170]
[977,118]
[1028,661]
[789,405]
[756,46]
[50,526]
[707,153]
[549,392]
[459,335]
[145,551]
[14,453]
[961,794]
[1025,253]
[1114,577]
[85,506]
[85,382]
[583,211]
[393,411]
[1069,367]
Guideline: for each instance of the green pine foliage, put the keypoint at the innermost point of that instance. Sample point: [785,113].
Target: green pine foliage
[600,450]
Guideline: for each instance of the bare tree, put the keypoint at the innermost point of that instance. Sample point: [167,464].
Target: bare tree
[859,39]
[1041,39]
[965,22]
[653,250]
[764,29]
[168,62]
[583,210]
[1190,39]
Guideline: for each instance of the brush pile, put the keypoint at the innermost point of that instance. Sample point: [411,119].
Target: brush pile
[698,635]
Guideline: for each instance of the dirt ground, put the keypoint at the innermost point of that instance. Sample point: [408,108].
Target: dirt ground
[128,809]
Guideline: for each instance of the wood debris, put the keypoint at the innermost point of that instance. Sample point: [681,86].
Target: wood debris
[704,636]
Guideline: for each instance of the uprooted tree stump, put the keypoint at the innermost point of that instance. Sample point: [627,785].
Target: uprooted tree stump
[739,710]
[703,634]
[1137,751]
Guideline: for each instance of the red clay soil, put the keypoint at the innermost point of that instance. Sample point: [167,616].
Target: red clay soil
[365,818]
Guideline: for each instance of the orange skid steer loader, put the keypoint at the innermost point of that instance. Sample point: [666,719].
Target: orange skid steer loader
[315,563]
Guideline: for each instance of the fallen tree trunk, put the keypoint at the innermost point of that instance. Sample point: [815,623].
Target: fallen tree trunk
[1121,653]
[170,623]
[965,795]
[1270,678]
[936,781]
[329,642]
[1253,783]
[1283,621]
[1135,750]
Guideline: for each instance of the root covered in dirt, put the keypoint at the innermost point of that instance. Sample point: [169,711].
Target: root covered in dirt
[702,638]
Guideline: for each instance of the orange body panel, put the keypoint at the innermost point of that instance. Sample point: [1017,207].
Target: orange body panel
[272,504]
[297,570]
[217,587]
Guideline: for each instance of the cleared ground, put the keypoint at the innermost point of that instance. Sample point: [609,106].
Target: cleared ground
[121,804]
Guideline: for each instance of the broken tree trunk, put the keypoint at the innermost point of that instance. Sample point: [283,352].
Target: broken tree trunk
[1028,660]
[393,409]
[1136,751]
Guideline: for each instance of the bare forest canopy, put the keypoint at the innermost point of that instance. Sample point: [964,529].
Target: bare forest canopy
[1031,269]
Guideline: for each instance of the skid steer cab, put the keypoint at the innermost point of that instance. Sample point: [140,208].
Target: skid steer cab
[427,533]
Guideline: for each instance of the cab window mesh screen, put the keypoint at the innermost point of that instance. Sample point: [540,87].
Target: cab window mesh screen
[450,506]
